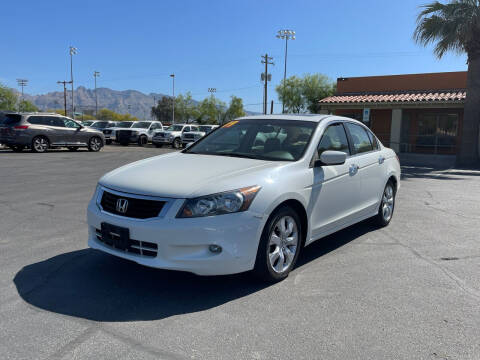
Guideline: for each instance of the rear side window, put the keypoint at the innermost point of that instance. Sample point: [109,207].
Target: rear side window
[334,138]
[360,138]
[11,119]
[55,121]
[37,120]
[373,140]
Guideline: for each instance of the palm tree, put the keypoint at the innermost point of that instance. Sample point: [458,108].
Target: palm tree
[456,27]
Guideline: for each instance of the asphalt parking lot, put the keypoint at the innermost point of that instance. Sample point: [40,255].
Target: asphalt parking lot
[408,291]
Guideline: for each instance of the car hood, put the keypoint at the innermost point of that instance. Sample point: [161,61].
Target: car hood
[180,175]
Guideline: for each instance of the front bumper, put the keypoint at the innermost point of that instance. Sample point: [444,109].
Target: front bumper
[183,244]
[159,140]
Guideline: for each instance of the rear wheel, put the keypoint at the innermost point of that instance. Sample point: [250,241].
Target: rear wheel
[17,148]
[142,140]
[279,245]
[40,144]
[95,144]
[387,205]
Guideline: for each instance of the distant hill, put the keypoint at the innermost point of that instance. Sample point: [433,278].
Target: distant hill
[118,101]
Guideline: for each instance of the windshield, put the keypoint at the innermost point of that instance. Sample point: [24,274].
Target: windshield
[100,124]
[141,125]
[175,128]
[124,124]
[280,140]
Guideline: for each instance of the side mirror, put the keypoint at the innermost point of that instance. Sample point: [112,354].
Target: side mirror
[331,157]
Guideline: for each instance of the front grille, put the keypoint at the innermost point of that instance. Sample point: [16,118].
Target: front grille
[136,208]
[107,132]
[142,248]
[123,134]
[161,135]
[189,136]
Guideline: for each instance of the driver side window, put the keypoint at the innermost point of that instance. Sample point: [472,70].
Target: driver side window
[70,123]
[334,138]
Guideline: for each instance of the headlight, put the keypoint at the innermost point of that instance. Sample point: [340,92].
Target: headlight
[218,204]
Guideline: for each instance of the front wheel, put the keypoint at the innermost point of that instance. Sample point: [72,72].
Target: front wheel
[177,143]
[142,140]
[95,144]
[387,205]
[279,245]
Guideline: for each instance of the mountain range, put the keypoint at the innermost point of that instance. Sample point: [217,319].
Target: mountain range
[133,102]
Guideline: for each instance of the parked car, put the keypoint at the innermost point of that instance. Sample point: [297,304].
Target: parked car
[111,132]
[141,132]
[172,135]
[103,126]
[42,131]
[192,136]
[89,123]
[245,198]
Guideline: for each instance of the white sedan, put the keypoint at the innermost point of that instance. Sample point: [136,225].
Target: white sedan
[248,196]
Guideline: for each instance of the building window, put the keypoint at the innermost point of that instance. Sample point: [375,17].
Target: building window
[436,133]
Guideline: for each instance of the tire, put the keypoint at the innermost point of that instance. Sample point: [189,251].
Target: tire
[108,142]
[73,148]
[276,255]
[40,144]
[95,144]
[142,140]
[158,145]
[387,206]
[177,143]
[17,148]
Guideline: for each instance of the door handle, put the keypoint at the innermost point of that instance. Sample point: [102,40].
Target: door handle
[381,159]
[353,169]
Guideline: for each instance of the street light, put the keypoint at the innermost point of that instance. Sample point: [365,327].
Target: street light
[287,35]
[73,51]
[173,102]
[22,83]
[95,75]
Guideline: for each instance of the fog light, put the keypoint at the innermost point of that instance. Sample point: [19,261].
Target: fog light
[216,249]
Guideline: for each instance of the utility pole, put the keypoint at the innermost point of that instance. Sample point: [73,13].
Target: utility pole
[95,75]
[173,102]
[287,35]
[267,60]
[22,83]
[64,93]
[73,51]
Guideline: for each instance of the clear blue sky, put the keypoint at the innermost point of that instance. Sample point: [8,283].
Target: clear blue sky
[214,43]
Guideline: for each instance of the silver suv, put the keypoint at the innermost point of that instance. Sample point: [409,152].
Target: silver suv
[42,131]
[141,132]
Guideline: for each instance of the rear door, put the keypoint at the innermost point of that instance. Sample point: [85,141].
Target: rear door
[371,166]
[335,191]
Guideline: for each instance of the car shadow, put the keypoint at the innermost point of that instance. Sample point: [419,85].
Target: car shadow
[92,285]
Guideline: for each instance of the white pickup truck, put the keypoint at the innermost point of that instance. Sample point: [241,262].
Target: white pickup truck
[192,136]
[173,135]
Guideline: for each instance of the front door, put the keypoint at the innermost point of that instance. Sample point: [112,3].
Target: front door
[335,191]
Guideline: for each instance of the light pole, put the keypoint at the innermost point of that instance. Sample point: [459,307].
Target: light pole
[95,75]
[173,102]
[73,51]
[287,35]
[64,93]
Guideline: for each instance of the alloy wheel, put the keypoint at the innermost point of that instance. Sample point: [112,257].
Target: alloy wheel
[283,244]
[95,144]
[40,144]
[387,203]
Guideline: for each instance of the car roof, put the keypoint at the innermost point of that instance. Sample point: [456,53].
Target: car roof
[298,117]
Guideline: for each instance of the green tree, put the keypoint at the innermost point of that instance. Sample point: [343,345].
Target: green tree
[8,99]
[455,26]
[163,110]
[106,114]
[211,110]
[235,109]
[185,108]
[26,106]
[302,94]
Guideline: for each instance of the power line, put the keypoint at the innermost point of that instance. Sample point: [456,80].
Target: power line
[267,60]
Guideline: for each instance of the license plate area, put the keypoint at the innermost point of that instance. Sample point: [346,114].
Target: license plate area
[115,236]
